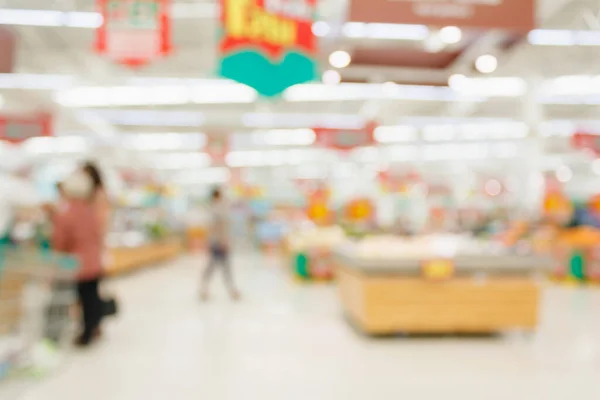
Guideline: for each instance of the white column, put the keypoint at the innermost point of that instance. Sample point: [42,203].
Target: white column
[532,186]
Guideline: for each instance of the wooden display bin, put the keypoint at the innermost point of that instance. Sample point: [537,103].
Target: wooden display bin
[11,289]
[387,304]
[127,259]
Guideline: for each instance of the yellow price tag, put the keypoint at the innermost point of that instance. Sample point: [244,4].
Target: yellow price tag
[438,270]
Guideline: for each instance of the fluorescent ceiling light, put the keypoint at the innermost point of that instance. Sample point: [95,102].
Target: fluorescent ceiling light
[271,157]
[93,20]
[361,30]
[72,19]
[165,141]
[395,134]
[369,91]
[488,87]
[132,117]
[223,94]
[204,176]
[36,81]
[181,160]
[285,137]
[563,37]
[439,133]
[56,145]
[154,95]
[401,153]
[292,120]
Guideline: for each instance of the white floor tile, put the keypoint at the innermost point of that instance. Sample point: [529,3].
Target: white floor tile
[289,341]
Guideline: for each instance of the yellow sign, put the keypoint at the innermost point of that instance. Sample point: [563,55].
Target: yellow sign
[318,212]
[438,270]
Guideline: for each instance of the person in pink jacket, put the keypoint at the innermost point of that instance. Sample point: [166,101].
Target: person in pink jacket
[77,232]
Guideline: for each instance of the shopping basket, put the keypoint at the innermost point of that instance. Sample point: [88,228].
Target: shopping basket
[36,299]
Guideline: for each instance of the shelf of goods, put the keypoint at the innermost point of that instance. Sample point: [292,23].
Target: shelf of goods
[577,253]
[438,284]
[196,238]
[311,252]
[126,259]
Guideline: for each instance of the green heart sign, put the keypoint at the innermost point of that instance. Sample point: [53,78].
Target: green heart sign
[267,46]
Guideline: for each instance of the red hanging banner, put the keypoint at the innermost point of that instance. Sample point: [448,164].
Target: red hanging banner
[217,147]
[585,140]
[19,128]
[134,32]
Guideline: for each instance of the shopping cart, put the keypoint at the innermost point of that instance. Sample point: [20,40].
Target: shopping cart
[36,323]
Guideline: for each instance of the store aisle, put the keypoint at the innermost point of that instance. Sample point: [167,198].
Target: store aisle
[288,341]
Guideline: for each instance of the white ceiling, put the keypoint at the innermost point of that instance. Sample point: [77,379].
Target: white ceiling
[69,51]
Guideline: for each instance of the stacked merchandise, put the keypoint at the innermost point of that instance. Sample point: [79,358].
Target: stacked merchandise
[311,250]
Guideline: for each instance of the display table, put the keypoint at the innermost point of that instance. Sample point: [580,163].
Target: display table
[127,259]
[478,294]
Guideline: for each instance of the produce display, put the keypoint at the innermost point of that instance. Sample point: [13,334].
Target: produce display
[394,253]
[311,251]
[439,283]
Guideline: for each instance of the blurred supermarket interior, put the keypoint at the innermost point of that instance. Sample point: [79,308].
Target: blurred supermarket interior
[410,192]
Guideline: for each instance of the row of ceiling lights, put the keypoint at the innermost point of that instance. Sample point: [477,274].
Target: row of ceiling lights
[485,63]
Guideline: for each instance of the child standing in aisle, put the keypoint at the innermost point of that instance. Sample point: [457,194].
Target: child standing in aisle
[219,246]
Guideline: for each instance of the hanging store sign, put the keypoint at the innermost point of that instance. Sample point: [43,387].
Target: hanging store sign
[134,32]
[217,147]
[268,44]
[345,139]
[515,15]
[437,270]
[586,141]
[19,128]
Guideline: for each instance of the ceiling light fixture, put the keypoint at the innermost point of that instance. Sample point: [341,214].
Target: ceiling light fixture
[340,59]
[72,19]
[395,134]
[451,34]
[321,28]
[493,187]
[331,77]
[486,64]
[564,174]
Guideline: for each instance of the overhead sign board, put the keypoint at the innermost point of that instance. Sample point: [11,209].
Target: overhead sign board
[268,44]
[134,32]
[514,15]
[345,139]
[19,128]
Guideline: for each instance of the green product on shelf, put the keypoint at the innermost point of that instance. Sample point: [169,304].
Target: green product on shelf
[302,265]
[577,266]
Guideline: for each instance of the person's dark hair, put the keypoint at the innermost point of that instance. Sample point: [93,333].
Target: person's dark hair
[94,173]
[59,187]
[216,194]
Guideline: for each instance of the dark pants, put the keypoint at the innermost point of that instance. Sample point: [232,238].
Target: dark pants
[219,257]
[91,307]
